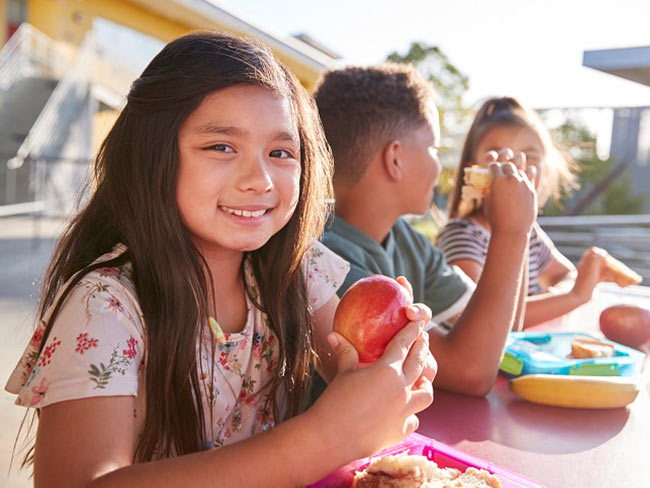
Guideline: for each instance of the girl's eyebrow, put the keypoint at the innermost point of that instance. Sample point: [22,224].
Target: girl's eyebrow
[220,129]
[209,129]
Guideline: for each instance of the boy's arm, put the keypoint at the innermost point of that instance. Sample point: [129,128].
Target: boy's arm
[470,354]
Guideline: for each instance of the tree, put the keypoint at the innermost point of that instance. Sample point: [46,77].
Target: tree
[594,174]
[449,82]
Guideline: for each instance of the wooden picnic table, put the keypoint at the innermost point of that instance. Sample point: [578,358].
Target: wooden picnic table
[559,447]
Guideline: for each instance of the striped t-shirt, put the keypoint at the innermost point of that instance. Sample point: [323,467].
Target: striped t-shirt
[464,239]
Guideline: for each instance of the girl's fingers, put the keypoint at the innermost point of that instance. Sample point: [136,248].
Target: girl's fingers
[430,368]
[421,397]
[531,173]
[346,354]
[400,345]
[491,157]
[411,425]
[496,168]
[506,154]
[418,311]
[416,361]
[520,161]
[405,283]
[509,169]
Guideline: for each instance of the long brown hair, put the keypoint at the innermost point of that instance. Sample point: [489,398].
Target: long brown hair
[559,168]
[134,202]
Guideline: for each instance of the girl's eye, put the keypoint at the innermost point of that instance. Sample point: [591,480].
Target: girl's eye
[223,148]
[281,153]
[533,158]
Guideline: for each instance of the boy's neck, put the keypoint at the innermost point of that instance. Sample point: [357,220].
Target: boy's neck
[367,211]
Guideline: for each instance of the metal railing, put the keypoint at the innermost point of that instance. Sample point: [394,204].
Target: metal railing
[61,108]
[89,76]
[627,237]
[29,52]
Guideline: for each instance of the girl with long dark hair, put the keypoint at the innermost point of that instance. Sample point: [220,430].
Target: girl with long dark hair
[187,305]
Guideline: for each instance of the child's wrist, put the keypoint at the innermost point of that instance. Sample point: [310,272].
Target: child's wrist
[514,236]
[318,445]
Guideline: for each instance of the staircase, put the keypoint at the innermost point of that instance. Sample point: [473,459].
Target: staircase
[47,102]
[23,104]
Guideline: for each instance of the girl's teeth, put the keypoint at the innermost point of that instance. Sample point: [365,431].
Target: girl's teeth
[245,213]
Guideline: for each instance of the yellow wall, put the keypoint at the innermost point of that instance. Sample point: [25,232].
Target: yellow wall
[69,20]
[3,21]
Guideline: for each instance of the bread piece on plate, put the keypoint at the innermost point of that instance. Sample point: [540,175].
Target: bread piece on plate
[411,471]
[586,347]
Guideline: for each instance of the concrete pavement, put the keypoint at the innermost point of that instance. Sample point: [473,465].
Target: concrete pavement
[25,247]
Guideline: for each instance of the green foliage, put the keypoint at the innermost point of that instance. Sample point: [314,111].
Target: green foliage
[616,199]
[449,82]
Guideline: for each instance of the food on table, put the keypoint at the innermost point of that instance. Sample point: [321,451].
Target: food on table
[370,313]
[477,183]
[410,471]
[620,274]
[576,391]
[588,347]
[626,324]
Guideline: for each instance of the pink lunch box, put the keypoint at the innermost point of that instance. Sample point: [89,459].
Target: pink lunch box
[443,455]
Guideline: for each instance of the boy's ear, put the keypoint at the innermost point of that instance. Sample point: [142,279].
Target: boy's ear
[393,163]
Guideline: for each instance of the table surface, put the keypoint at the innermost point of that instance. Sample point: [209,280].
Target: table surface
[559,447]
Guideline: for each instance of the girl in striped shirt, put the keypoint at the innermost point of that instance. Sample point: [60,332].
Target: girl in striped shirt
[506,130]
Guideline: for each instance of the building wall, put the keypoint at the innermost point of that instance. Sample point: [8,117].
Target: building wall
[3,22]
[630,136]
[68,21]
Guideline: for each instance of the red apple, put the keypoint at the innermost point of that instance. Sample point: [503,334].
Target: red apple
[370,313]
[626,324]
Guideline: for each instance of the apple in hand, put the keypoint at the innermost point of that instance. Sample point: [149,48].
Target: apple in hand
[370,313]
[626,324]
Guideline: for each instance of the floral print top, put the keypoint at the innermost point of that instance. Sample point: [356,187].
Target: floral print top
[97,348]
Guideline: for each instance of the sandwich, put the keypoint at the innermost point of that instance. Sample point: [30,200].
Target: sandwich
[477,183]
[620,274]
[411,471]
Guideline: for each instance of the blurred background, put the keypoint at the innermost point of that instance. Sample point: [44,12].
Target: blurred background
[66,67]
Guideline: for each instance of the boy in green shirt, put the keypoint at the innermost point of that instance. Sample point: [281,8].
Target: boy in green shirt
[383,128]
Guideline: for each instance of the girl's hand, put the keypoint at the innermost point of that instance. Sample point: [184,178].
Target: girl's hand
[365,410]
[591,271]
[511,206]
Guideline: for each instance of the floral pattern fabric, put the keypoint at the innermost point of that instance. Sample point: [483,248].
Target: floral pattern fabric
[97,348]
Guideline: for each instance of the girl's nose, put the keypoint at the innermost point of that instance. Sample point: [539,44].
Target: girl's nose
[255,176]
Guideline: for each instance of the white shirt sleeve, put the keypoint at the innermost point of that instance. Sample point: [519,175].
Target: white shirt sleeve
[95,347]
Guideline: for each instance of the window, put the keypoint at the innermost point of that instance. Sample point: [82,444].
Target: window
[16,15]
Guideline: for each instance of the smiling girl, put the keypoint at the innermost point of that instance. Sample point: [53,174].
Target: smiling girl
[187,305]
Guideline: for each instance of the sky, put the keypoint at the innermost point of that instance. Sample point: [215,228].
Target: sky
[530,49]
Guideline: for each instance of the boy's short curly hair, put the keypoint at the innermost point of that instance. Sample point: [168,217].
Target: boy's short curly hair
[363,108]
